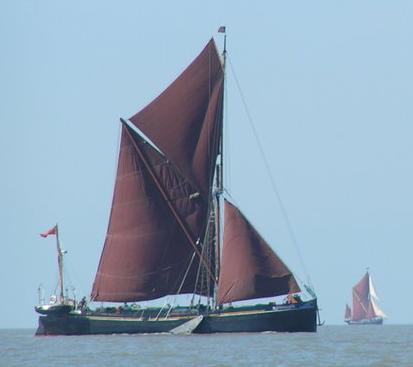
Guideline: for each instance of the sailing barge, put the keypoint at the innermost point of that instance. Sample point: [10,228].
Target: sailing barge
[171,230]
[366,310]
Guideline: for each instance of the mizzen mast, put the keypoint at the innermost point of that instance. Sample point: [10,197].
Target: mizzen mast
[60,254]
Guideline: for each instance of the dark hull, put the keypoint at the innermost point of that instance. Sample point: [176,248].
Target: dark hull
[290,318]
[375,321]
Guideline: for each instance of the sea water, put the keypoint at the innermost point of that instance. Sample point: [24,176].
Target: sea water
[388,345]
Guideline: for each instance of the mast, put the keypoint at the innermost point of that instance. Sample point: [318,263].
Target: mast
[220,178]
[60,254]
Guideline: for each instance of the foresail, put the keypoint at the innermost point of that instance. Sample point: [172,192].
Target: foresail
[249,267]
[184,121]
[146,254]
[376,311]
[372,290]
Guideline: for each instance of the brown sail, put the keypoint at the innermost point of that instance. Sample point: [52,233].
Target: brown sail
[361,298]
[161,201]
[184,121]
[146,253]
[249,267]
[365,300]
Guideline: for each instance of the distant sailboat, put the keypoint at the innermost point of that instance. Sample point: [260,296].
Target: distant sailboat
[365,311]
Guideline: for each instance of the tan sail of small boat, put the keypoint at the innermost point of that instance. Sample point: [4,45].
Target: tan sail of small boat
[365,304]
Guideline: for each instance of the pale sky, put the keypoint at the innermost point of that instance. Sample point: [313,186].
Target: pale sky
[328,85]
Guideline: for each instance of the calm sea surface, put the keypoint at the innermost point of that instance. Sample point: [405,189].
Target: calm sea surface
[386,345]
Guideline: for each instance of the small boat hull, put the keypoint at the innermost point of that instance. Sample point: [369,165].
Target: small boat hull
[373,321]
[289,318]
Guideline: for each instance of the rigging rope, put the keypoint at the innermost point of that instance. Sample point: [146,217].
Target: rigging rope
[271,177]
[227,141]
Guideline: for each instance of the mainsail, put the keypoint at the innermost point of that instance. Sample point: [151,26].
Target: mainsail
[146,254]
[365,300]
[161,231]
[160,208]
[249,267]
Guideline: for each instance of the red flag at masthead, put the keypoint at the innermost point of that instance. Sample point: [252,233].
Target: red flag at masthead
[221,29]
[49,232]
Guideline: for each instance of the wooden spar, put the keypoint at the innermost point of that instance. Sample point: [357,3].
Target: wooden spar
[168,201]
[60,264]
[220,178]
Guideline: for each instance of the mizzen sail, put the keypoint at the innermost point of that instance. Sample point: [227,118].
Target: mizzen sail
[347,313]
[249,267]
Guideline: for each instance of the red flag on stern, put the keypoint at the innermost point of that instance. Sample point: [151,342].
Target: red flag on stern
[49,232]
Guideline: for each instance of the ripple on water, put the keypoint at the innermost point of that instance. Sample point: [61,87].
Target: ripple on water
[382,346]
